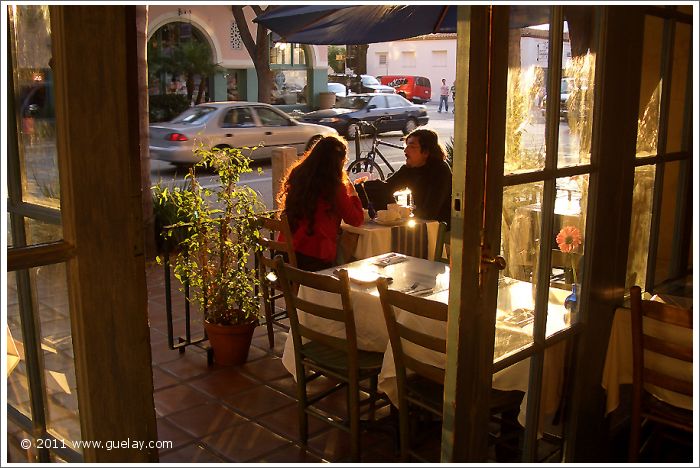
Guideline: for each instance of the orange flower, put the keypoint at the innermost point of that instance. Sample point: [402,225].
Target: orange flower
[568,239]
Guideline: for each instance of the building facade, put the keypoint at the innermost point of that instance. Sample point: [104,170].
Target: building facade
[300,71]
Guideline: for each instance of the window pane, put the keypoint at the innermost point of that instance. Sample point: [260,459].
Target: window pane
[640,227]
[667,222]
[676,117]
[568,244]
[289,86]
[650,91]
[17,383]
[15,452]
[520,234]
[39,232]
[576,93]
[525,106]
[34,98]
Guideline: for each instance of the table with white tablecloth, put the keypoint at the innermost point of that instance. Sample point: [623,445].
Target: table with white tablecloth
[618,359]
[372,333]
[375,239]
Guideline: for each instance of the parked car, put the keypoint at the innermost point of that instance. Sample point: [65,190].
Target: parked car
[404,115]
[413,88]
[230,124]
[567,86]
[339,89]
[361,84]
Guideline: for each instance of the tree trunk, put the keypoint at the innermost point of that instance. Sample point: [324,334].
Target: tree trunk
[201,89]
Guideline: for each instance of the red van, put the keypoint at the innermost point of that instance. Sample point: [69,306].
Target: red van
[413,88]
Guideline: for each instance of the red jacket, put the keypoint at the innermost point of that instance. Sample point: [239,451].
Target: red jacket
[324,241]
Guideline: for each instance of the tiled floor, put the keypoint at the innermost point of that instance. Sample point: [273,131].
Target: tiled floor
[237,414]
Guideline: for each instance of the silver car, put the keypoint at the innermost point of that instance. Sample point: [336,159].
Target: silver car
[230,124]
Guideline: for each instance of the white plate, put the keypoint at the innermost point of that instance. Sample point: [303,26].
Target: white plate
[391,223]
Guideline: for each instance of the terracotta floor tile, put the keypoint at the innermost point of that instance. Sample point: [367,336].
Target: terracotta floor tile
[177,398]
[285,422]
[266,368]
[205,419]
[223,382]
[244,442]
[290,454]
[171,433]
[191,453]
[188,365]
[162,379]
[257,401]
[160,353]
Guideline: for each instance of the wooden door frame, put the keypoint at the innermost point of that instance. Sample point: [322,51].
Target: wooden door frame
[100,143]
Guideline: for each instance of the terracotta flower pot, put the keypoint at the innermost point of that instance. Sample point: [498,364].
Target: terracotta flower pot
[230,343]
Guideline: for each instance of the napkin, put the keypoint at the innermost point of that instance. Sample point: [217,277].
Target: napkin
[390,259]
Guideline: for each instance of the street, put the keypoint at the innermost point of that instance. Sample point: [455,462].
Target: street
[442,123]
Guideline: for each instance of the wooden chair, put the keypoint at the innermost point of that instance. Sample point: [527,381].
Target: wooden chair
[646,407]
[271,291]
[317,353]
[424,387]
[442,244]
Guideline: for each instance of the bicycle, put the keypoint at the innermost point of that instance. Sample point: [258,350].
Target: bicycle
[367,166]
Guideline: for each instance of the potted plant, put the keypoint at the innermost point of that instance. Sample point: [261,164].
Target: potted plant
[215,257]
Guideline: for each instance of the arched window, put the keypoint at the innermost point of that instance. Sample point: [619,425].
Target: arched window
[290,73]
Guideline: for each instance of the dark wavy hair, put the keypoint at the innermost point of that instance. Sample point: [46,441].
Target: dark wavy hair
[428,140]
[318,174]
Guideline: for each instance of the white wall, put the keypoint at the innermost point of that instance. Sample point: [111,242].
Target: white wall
[533,52]
[424,60]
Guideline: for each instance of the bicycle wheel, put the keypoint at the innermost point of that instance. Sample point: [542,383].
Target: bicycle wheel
[365,167]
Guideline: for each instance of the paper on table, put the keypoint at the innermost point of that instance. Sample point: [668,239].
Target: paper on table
[390,259]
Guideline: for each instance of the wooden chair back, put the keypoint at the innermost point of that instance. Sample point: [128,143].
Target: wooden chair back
[419,306]
[442,244]
[644,375]
[335,290]
[270,228]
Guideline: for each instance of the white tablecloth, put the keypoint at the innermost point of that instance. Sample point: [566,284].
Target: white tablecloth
[372,334]
[375,239]
[618,360]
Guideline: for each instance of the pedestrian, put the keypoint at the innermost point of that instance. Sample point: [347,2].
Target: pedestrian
[453,90]
[444,93]
[426,174]
[316,196]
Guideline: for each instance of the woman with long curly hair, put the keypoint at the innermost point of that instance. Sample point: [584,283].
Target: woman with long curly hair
[316,195]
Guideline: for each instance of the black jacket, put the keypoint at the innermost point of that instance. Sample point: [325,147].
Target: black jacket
[430,185]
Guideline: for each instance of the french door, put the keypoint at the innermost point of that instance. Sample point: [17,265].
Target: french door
[520,191]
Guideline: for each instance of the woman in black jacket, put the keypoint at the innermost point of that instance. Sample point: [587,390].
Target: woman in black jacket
[425,173]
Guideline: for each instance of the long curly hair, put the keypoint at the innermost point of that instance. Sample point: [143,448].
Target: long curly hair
[318,174]
[428,140]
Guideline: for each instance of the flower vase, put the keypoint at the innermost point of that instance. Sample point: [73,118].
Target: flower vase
[571,301]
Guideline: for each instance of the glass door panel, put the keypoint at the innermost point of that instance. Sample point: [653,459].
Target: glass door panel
[650,91]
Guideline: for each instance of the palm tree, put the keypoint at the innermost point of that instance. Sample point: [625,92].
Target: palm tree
[191,59]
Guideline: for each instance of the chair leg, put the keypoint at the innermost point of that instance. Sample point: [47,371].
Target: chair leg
[354,415]
[303,403]
[404,430]
[269,309]
[373,383]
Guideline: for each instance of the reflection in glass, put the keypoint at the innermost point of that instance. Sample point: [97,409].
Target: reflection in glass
[17,383]
[289,86]
[651,88]
[525,102]
[667,222]
[640,226]
[577,87]
[679,77]
[39,232]
[51,287]
[568,245]
[34,98]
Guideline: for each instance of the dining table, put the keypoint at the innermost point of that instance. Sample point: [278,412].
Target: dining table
[412,236]
[430,279]
[617,370]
